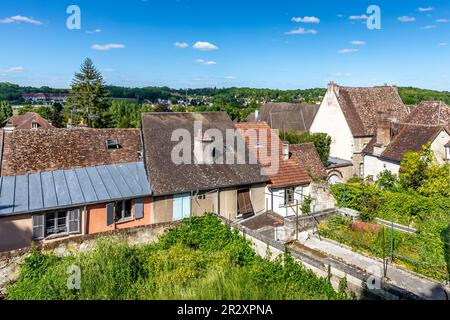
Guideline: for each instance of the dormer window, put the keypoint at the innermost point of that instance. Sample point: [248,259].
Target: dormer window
[112,144]
[34,125]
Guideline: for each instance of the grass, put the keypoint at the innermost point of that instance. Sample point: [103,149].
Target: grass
[200,259]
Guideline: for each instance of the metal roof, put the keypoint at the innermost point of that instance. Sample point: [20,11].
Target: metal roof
[72,187]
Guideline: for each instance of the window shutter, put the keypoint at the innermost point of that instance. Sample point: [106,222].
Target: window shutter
[74,221]
[38,222]
[109,214]
[139,208]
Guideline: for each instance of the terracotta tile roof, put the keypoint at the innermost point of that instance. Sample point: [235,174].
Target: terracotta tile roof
[26,120]
[169,178]
[28,151]
[307,154]
[411,138]
[430,113]
[287,116]
[290,172]
[361,106]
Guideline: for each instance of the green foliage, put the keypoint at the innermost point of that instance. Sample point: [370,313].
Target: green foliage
[125,114]
[45,112]
[414,96]
[413,167]
[5,111]
[199,259]
[88,95]
[386,180]
[321,141]
[306,205]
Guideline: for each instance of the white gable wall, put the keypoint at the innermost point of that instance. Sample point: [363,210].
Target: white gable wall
[330,119]
[438,146]
[374,165]
[275,200]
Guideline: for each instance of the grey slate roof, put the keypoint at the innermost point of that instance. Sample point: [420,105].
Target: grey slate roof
[56,189]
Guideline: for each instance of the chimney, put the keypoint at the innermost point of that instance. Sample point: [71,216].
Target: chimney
[285,150]
[256,115]
[383,134]
[333,87]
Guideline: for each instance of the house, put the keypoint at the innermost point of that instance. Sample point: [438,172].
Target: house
[349,116]
[307,155]
[286,116]
[61,183]
[428,123]
[184,156]
[286,189]
[29,120]
[45,97]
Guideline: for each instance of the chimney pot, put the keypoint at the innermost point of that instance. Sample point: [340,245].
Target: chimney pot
[285,150]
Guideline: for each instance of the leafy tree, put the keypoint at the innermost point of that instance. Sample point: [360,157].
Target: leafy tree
[321,141]
[89,96]
[125,114]
[5,111]
[436,182]
[413,167]
[387,180]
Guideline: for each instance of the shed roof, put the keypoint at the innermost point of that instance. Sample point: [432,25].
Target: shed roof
[28,151]
[57,189]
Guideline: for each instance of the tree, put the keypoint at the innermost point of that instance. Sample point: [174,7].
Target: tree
[5,111]
[89,96]
[387,180]
[321,141]
[413,167]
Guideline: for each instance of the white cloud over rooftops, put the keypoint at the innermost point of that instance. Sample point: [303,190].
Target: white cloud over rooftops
[306,19]
[205,46]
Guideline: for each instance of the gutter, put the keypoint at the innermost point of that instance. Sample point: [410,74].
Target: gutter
[1,151]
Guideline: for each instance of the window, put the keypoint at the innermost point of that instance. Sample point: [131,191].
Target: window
[112,144]
[34,125]
[361,169]
[58,223]
[447,149]
[122,210]
[55,223]
[244,205]
[288,196]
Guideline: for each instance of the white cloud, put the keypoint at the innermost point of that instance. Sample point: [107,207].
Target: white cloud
[181,45]
[106,47]
[19,19]
[94,31]
[442,20]
[358,42]
[306,19]
[425,9]
[345,51]
[429,27]
[205,62]
[361,17]
[12,70]
[204,46]
[406,19]
[302,31]
[230,77]
[442,44]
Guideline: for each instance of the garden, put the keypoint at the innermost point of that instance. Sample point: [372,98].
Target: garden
[418,198]
[199,259]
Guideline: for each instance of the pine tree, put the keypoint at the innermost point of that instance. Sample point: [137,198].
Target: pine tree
[88,95]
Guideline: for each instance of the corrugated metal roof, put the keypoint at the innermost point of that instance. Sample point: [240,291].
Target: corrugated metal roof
[72,187]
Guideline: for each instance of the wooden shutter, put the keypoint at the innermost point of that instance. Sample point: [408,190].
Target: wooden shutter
[38,222]
[110,214]
[244,202]
[139,208]
[73,217]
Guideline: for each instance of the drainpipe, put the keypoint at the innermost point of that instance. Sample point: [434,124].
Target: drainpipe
[85,220]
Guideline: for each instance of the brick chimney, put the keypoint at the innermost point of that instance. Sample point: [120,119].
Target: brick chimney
[384,132]
[333,87]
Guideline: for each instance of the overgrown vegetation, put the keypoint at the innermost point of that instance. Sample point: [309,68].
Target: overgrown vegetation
[199,259]
[321,141]
[419,197]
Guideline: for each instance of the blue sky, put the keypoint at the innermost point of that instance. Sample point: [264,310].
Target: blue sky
[228,43]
